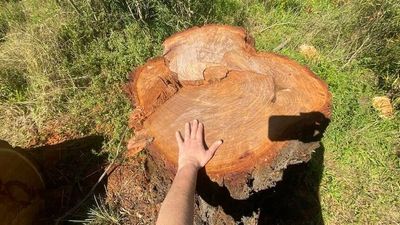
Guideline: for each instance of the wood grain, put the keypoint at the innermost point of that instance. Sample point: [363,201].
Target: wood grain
[269,110]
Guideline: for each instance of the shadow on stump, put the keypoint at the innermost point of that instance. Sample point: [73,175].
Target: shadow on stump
[294,200]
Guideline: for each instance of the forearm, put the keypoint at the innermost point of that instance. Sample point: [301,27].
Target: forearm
[178,206]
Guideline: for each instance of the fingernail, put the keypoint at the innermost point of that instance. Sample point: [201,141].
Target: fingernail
[220,142]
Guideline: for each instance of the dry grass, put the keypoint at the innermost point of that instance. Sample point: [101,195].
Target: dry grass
[62,66]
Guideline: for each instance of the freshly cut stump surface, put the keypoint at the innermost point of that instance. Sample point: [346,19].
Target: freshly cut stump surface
[269,110]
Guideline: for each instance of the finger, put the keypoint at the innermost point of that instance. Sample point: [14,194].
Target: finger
[187,131]
[199,133]
[211,151]
[195,124]
[179,138]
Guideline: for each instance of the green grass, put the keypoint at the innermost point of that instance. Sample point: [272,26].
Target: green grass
[101,214]
[63,65]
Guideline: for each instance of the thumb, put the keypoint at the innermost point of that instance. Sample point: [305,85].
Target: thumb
[213,148]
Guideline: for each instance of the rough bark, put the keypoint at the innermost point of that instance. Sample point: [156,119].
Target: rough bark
[269,110]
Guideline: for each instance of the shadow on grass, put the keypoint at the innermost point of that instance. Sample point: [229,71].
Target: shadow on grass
[70,169]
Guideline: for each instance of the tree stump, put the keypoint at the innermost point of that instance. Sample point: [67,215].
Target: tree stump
[269,110]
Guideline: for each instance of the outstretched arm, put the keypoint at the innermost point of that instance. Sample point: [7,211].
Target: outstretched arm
[178,206]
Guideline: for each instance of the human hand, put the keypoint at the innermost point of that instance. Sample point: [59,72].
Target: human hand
[192,151]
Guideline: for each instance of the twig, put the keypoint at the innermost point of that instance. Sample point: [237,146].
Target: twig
[74,6]
[355,53]
[130,10]
[106,171]
[282,45]
[87,195]
[89,2]
[336,43]
[273,25]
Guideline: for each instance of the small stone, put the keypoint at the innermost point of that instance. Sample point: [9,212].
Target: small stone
[383,105]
